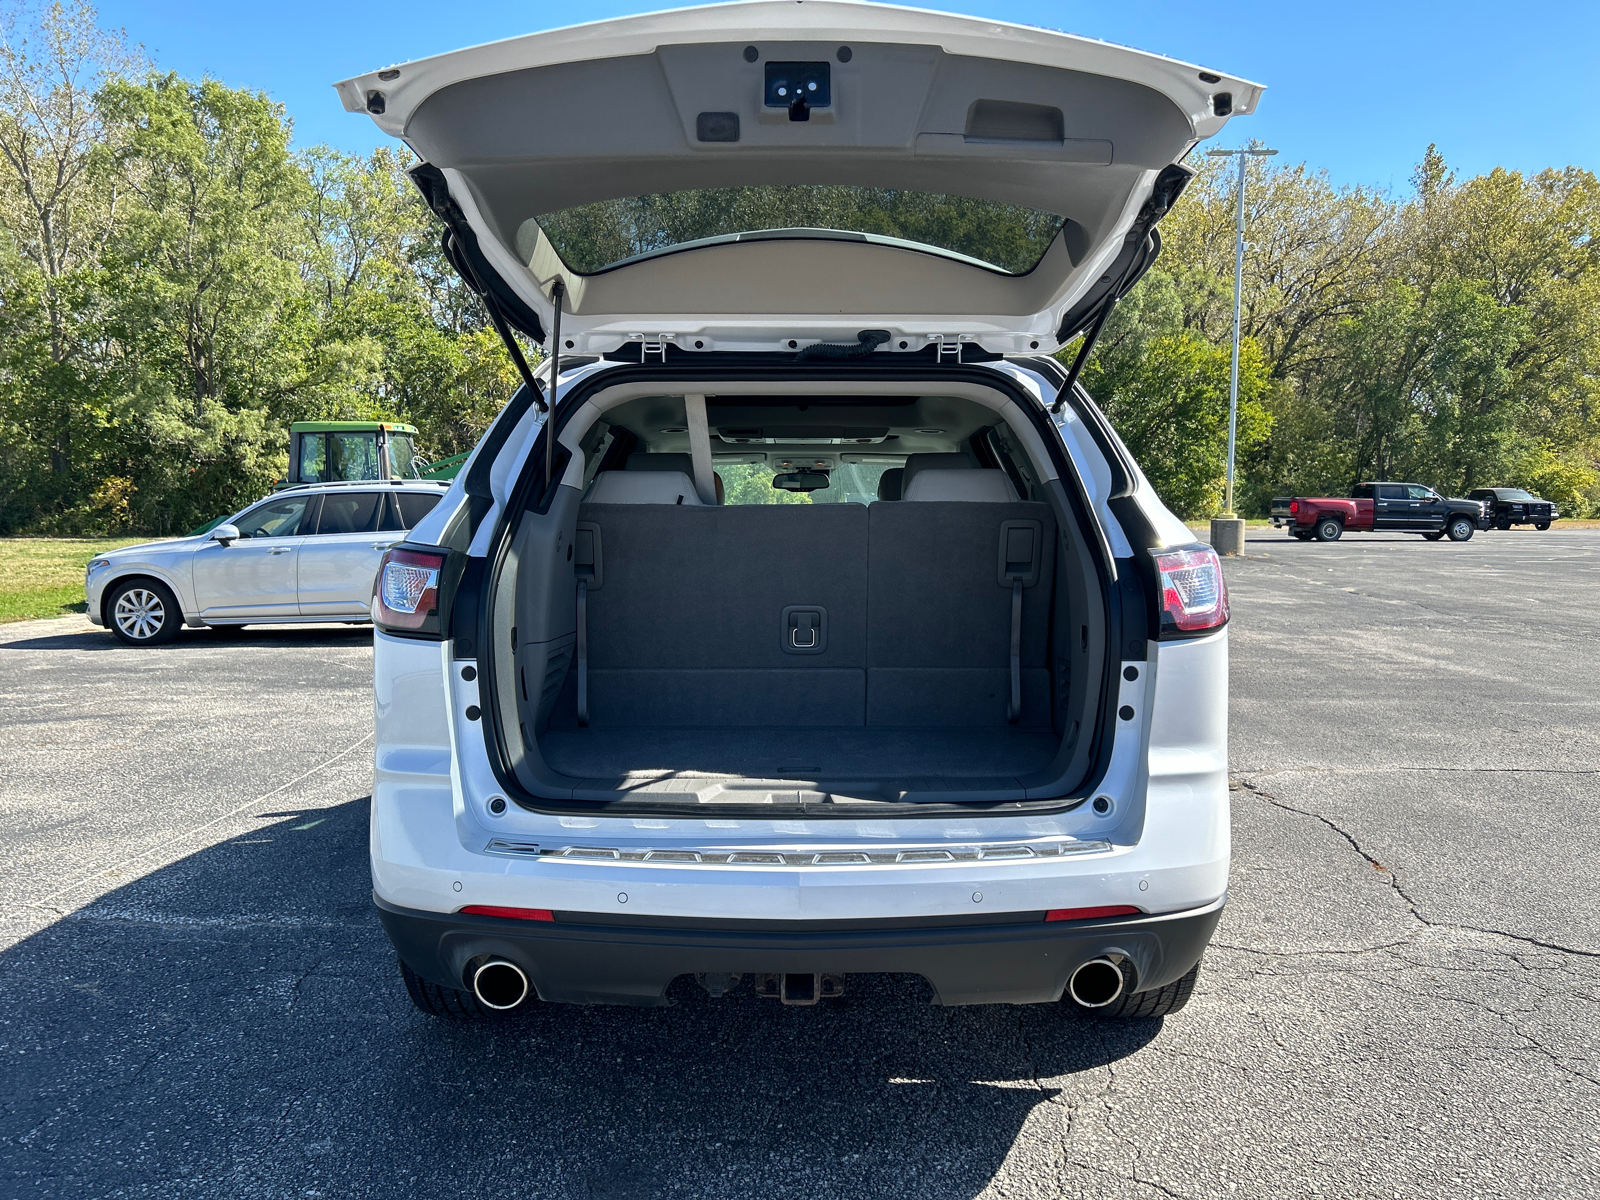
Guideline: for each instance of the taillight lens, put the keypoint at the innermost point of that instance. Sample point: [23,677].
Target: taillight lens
[408,588]
[1194,597]
[1294,506]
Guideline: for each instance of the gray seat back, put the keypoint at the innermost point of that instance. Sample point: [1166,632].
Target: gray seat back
[688,624]
[939,613]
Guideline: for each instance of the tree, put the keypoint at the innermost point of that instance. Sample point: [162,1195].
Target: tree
[206,304]
[55,217]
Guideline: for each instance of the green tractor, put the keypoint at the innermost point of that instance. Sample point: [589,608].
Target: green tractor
[325,451]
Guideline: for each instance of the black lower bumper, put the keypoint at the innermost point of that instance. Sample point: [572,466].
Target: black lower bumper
[573,960]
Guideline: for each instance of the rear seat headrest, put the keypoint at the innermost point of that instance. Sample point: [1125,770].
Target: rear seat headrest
[642,461]
[983,486]
[891,484]
[916,463]
[643,487]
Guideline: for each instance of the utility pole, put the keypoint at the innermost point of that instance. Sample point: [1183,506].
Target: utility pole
[1227,532]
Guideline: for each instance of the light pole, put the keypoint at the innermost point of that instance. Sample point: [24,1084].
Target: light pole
[1233,533]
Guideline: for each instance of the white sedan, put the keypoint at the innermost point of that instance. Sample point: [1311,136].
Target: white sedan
[308,553]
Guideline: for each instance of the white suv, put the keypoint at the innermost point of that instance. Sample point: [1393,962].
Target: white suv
[833,630]
[306,553]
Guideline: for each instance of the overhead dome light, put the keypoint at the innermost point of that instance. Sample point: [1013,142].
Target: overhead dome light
[674,429]
[930,431]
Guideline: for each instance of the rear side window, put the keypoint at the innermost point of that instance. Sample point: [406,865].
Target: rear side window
[1391,491]
[1362,491]
[414,506]
[350,512]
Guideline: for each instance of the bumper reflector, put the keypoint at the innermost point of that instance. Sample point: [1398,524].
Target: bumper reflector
[516,914]
[1084,914]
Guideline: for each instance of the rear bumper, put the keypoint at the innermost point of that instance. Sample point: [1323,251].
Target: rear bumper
[578,959]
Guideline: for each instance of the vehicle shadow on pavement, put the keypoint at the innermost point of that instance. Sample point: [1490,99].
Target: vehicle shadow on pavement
[280,636]
[235,1024]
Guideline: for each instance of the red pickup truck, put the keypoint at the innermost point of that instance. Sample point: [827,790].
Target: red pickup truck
[1380,507]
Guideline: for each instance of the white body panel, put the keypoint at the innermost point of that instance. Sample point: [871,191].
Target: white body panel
[1167,831]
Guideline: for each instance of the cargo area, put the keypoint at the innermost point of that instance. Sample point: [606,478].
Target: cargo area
[917,625]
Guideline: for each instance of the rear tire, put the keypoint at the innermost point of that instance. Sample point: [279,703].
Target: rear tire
[1433,537]
[1159,1002]
[449,1004]
[1459,529]
[1330,529]
[1300,535]
[142,612]
[1541,526]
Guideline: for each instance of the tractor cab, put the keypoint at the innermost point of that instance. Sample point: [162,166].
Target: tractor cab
[330,451]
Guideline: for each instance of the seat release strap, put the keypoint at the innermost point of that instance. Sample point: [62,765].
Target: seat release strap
[1014,712]
[1020,546]
[583,654]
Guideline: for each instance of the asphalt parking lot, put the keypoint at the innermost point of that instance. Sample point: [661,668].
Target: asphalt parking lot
[1403,999]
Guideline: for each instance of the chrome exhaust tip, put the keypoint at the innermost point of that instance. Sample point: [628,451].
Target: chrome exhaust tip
[1097,983]
[499,984]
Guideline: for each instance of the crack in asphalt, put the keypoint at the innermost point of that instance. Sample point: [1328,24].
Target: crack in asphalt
[1394,882]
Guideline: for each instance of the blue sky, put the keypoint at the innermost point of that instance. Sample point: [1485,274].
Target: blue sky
[1360,87]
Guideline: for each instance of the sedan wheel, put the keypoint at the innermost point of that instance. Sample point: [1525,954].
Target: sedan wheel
[1460,529]
[144,613]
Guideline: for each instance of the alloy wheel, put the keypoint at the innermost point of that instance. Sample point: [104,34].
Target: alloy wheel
[140,613]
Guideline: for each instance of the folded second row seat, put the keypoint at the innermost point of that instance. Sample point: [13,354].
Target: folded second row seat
[913,614]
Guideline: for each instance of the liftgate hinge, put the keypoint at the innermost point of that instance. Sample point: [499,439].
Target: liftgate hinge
[652,344]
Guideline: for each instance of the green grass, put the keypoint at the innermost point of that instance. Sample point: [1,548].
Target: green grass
[43,577]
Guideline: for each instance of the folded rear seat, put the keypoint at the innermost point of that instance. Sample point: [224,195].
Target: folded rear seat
[958,602]
[709,616]
[928,612]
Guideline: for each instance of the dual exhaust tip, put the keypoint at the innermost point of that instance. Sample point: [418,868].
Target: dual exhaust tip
[1097,983]
[500,985]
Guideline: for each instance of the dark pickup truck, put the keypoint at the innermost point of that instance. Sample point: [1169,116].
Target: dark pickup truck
[1513,506]
[1380,507]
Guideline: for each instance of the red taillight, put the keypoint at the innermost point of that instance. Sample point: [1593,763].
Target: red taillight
[1085,914]
[408,588]
[516,914]
[1194,597]
[1294,506]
